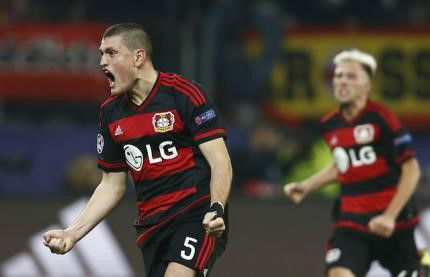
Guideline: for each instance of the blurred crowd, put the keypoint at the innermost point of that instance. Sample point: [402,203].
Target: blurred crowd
[266,153]
[344,12]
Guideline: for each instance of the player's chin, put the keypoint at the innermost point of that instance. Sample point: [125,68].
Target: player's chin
[343,99]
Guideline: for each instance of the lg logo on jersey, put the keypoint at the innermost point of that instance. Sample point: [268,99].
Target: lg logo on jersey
[170,154]
[363,156]
[134,156]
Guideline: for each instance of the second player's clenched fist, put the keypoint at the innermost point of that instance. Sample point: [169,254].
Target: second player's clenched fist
[295,191]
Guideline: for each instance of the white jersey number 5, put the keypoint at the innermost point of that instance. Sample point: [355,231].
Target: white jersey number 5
[192,250]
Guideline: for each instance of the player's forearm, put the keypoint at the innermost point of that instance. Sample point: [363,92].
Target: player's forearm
[104,199]
[406,187]
[221,176]
[321,178]
[218,158]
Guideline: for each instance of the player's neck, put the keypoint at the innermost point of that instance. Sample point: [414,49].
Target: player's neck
[351,110]
[144,84]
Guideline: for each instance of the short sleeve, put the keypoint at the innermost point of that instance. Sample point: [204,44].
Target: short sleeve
[110,156]
[201,116]
[402,141]
[401,138]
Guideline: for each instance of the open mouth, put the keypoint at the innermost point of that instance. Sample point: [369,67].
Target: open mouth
[343,92]
[110,76]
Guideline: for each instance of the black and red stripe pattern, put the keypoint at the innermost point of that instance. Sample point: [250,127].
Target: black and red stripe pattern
[111,166]
[158,143]
[142,237]
[365,172]
[141,125]
[389,118]
[107,101]
[405,156]
[345,136]
[205,252]
[207,134]
[369,160]
[185,160]
[400,224]
[162,202]
[367,203]
[182,85]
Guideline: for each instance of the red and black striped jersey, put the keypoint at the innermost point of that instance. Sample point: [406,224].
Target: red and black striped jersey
[157,143]
[368,154]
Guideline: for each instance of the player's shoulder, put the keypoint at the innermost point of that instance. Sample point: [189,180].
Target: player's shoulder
[110,101]
[177,77]
[378,107]
[329,116]
[385,113]
[184,87]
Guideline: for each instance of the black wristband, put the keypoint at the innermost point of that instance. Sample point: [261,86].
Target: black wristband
[217,208]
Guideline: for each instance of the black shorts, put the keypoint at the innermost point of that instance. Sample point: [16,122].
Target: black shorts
[184,242]
[356,251]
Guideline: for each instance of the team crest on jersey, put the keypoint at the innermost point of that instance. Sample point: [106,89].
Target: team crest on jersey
[364,133]
[163,122]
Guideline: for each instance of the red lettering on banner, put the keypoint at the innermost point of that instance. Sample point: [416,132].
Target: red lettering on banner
[67,71]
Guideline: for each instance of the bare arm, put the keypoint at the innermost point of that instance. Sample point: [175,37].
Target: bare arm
[406,187]
[104,199]
[297,191]
[217,156]
[323,177]
[384,224]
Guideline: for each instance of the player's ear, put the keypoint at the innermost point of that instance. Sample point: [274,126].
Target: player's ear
[140,57]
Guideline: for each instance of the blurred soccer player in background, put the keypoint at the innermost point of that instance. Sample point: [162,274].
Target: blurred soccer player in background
[375,164]
[164,130]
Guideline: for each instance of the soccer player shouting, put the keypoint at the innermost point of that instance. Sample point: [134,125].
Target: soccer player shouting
[164,131]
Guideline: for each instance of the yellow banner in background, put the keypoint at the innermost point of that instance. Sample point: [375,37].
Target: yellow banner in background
[301,79]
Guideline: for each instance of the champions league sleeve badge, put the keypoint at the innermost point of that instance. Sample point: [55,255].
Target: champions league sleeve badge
[206,116]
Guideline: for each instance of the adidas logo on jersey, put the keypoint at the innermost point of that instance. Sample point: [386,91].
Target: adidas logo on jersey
[118,131]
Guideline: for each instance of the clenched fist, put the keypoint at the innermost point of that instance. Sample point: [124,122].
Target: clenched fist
[59,241]
[295,191]
[382,225]
[213,225]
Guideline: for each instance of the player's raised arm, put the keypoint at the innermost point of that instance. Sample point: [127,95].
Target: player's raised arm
[297,191]
[218,158]
[107,195]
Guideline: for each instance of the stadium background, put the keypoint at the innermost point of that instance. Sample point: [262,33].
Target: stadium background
[267,66]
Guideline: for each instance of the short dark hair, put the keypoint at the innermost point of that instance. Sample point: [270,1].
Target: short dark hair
[133,35]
